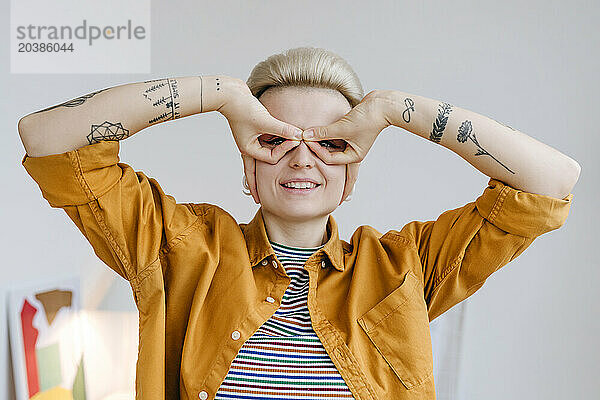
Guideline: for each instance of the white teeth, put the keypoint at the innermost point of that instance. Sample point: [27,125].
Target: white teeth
[300,185]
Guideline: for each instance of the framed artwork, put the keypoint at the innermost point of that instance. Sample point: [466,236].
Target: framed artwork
[46,341]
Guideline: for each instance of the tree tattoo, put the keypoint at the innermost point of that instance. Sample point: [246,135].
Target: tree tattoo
[466,132]
[73,102]
[163,95]
[410,106]
[440,122]
[107,131]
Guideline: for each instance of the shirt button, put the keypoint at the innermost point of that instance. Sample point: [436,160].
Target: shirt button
[264,262]
[235,335]
[274,264]
[203,395]
[323,264]
[270,299]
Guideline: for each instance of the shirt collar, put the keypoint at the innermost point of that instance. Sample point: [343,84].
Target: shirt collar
[259,247]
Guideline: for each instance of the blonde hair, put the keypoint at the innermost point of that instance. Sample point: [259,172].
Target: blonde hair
[306,66]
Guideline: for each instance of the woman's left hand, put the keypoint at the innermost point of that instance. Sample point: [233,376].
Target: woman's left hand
[358,128]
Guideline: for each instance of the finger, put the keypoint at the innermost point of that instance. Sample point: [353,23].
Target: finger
[343,128]
[351,177]
[285,130]
[250,172]
[271,155]
[345,157]
[280,151]
[261,153]
[321,133]
[316,133]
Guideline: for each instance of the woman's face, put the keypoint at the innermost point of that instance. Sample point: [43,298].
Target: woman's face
[303,107]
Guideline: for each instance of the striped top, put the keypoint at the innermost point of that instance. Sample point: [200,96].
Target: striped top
[285,359]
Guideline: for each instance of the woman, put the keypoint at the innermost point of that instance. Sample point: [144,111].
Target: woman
[281,307]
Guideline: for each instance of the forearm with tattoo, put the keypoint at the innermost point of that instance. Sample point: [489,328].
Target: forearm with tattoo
[117,113]
[495,149]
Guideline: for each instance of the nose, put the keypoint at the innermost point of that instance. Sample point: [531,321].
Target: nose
[302,156]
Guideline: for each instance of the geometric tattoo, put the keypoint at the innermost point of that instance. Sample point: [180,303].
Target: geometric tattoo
[107,131]
[466,132]
[74,102]
[410,106]
[440,122]
[164,96]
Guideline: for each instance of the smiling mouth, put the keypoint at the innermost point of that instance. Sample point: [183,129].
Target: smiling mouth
[304,188]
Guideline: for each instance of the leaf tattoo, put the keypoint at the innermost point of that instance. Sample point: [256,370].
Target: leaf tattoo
[466,132]
[440,122]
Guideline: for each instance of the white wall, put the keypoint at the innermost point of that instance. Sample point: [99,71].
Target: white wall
[530,331]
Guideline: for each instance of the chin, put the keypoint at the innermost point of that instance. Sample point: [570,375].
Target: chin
[298,212]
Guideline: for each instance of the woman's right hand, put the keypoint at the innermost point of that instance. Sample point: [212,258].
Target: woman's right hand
[249,120]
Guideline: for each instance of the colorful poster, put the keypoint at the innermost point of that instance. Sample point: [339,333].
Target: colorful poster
[46,341]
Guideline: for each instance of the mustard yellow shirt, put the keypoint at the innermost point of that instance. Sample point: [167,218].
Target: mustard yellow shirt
[201,280]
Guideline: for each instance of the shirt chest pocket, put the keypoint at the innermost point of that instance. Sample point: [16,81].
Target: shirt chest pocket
[398,326]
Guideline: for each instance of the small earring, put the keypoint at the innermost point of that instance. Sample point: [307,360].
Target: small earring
[246,190]
[349,195]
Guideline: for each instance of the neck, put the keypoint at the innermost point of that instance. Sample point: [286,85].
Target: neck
[307,233]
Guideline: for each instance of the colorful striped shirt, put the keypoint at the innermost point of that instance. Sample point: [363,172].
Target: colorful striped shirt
[284,358]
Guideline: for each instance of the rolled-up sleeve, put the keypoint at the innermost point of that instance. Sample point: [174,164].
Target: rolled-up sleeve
[124,215]
[76,177]
[464,246]
[522,213]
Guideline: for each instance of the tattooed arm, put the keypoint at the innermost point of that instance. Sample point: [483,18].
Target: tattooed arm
[495,149]
[118,112]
